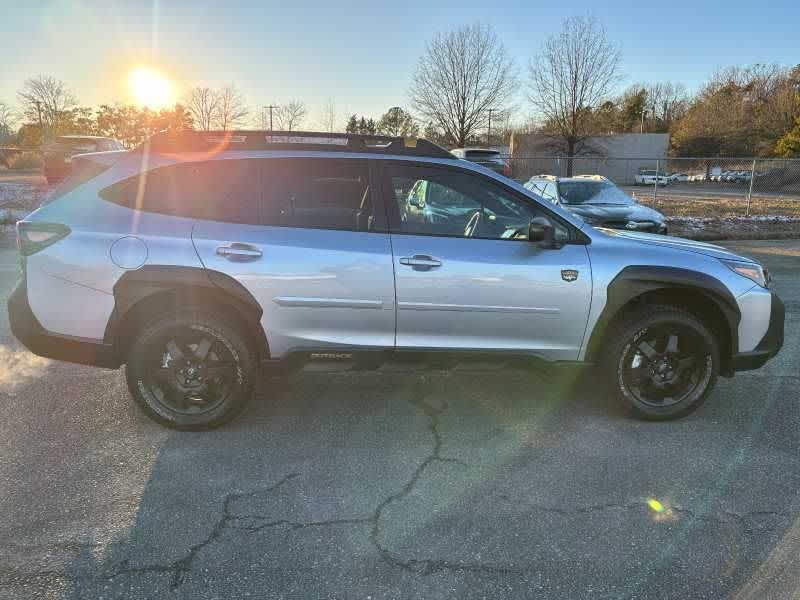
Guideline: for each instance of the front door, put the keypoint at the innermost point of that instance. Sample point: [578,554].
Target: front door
[466,275]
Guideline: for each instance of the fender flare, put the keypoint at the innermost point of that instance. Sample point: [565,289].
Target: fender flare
[634,281]
[139,285]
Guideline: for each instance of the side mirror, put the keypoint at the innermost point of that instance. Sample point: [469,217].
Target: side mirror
[542,232]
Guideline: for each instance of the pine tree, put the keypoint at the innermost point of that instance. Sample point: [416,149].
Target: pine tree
[789,144]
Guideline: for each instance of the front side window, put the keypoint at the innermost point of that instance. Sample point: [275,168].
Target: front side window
[318,194]
[550,192]
[536,186]
[450,203]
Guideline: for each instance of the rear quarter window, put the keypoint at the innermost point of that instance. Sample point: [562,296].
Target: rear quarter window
[221,190]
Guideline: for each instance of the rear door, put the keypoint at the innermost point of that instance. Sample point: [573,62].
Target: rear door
[467,278]
[316,253]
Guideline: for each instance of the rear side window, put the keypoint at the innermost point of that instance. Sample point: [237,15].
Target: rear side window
[221,190]
[318,194]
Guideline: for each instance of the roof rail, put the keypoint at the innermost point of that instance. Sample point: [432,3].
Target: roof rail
[220,141]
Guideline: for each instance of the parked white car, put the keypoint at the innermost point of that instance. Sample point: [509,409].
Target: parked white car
[649,177]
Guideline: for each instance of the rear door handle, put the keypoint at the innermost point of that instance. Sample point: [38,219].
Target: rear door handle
[239,252]
[421,261]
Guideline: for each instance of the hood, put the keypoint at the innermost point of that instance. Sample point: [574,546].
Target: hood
[615,212]
[678,244]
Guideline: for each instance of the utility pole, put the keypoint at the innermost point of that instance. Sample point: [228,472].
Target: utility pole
[489,133]
[271,107]
[641,127]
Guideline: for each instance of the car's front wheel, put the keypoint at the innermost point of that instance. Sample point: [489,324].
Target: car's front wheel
[195,371]
[662,362]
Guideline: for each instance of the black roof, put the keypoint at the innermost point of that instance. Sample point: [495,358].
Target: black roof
[219,141]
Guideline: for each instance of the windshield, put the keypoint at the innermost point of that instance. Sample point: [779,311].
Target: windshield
[592,192]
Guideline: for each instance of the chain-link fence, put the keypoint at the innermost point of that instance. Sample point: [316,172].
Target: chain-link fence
[686,186]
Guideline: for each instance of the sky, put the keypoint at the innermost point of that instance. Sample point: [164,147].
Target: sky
[360,54]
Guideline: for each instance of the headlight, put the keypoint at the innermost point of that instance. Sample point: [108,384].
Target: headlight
[752,271]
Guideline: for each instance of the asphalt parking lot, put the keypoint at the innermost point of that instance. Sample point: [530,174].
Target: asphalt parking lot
[460,484]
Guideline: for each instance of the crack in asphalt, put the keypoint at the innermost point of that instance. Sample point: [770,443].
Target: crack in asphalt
[425,566]
[183,566]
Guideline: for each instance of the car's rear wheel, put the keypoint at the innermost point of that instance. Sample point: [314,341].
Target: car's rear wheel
[662,362]
[191,372]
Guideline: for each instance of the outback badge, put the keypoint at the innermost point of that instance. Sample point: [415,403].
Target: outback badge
[569,274]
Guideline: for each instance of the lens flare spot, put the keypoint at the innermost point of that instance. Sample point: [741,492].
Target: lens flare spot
[655,505]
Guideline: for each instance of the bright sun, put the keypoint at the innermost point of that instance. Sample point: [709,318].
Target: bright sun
[150,88]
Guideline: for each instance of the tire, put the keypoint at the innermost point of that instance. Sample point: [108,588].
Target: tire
[661,362]
[191,372]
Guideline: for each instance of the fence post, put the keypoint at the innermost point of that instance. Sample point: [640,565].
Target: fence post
[655,187]
[750,191]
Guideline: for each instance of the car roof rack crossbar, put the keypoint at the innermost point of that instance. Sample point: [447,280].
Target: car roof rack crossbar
[220,141]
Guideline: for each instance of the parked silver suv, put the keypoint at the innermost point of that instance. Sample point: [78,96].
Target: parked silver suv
[201,257]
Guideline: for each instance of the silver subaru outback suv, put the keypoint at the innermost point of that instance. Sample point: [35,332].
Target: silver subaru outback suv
[200,259]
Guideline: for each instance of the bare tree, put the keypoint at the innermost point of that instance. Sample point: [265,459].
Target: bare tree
[7,120]
[231,109]
[290,116]
[329,116]
[668,101]
[203,104]
[575,72]
[46,100]
[461,75]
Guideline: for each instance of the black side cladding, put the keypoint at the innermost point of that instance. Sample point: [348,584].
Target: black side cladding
[634,281]
[190,284]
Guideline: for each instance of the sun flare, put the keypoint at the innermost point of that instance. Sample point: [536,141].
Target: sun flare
[150,88]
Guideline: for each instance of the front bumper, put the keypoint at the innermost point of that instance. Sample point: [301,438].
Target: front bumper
[769,345]
[27,329]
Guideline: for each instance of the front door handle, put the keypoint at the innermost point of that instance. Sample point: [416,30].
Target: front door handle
[421,262]
[239,252]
